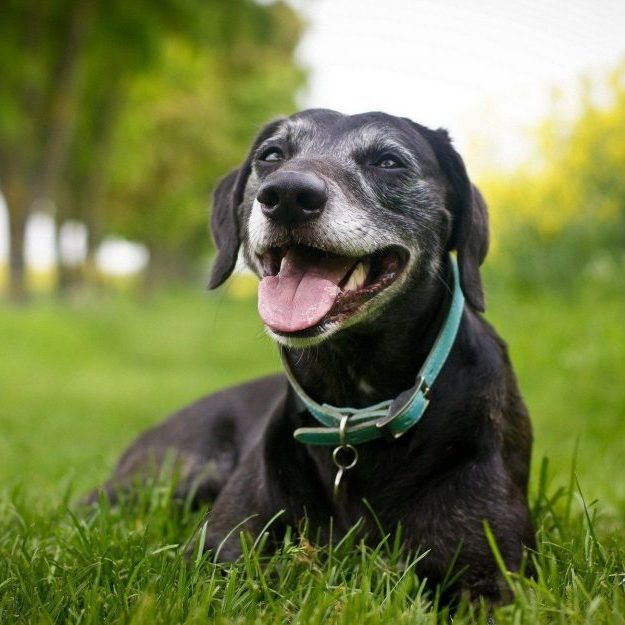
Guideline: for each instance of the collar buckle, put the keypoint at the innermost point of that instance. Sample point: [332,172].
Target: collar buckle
[384,425]
[424,387]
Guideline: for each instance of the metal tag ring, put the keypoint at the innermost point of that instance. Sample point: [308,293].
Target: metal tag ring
[348,465]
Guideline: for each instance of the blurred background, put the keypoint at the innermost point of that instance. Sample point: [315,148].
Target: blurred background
[117,118]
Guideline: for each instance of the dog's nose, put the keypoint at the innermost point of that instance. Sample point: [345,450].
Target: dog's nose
[292,197]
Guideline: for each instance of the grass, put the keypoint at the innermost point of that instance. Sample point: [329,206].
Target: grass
[78,380]
[126,566]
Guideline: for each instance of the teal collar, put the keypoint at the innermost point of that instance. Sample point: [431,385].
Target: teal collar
[390,418]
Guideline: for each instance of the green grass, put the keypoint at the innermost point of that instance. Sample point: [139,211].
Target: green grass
[78,381]
[568,351]
[126,566]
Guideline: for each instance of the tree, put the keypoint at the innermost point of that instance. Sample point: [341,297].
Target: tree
[192,120]
[41,50]
[100,111]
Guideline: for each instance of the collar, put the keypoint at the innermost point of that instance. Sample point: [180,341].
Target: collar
[390,418]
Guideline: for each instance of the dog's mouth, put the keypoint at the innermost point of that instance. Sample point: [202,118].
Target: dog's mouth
[304,288]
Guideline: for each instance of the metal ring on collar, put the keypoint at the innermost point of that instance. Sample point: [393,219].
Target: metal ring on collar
[345,448]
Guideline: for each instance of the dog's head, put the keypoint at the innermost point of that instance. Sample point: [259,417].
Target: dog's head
[339,215]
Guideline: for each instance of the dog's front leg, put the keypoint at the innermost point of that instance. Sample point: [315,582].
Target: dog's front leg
[242,507]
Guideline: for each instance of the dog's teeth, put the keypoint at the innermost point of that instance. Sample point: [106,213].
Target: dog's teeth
[357,278]
[282,263]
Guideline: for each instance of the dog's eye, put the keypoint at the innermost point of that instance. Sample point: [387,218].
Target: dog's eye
[388,161]
[272,155]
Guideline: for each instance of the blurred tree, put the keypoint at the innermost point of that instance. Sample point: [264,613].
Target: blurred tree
[565,209]
[191,121]
[124,113]
[41,47]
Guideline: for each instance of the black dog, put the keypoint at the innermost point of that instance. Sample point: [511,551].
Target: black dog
[349,221]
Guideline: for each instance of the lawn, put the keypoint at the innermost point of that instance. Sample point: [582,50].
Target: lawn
[78,380]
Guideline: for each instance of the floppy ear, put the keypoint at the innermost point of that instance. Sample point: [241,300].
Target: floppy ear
[225,229]
[469,235]
[472,246]
[227,198]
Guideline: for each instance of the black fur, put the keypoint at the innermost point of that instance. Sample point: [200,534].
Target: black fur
[465,463]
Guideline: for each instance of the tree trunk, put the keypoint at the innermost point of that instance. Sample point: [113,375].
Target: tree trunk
[62,111]
[64,100]
[92,196]
[18,201]
[24,180]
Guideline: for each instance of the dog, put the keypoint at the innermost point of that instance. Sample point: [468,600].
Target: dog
[367,236]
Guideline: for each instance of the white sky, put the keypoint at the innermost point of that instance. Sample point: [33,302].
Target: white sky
[484,69]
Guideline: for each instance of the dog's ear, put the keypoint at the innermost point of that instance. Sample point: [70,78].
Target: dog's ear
[225,229]
[227,198]
[472,246]
[469,235]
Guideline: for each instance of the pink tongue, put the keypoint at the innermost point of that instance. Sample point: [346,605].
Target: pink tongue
[303,292]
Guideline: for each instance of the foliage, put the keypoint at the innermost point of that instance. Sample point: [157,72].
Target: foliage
[563,214]
[125,113]
[189,123]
